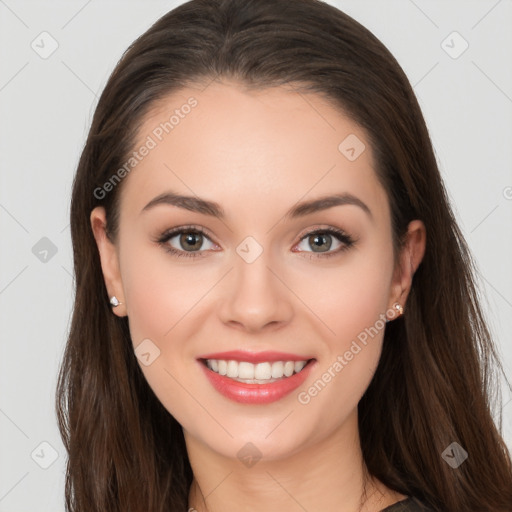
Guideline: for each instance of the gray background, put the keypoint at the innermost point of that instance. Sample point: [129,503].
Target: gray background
[46,105]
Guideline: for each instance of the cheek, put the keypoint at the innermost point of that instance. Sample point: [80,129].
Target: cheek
[158,292]
[364,298]
[356,314]
[349,296]
[148,302]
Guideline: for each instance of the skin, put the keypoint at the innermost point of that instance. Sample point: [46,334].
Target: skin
[257,154]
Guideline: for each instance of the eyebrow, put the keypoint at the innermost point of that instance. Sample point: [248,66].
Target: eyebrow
[205,207]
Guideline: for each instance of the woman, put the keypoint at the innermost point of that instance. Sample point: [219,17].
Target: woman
[275,308]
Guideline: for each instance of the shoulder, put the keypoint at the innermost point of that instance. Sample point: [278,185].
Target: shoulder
[408,505]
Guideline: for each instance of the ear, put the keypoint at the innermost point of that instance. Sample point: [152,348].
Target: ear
[109,259]
[409,260]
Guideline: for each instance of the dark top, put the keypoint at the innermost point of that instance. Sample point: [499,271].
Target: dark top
[408,505]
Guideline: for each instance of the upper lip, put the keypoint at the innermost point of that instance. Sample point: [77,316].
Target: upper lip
[255,357]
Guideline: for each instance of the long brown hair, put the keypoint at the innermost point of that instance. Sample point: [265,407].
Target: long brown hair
[436,380]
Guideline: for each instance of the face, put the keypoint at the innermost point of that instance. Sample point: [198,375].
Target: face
[285,294]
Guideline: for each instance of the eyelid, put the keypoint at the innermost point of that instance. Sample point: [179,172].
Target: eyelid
[321,228]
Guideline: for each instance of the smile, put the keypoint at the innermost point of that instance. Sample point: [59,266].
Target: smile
[250,373]
[255,378]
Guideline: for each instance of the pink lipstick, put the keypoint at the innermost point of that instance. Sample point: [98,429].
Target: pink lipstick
[256,377]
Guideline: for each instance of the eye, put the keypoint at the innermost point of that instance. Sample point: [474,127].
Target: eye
[321,241]
[186,241]
[189,241]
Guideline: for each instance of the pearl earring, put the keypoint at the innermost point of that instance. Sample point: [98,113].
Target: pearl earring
[114,302]
[396,307]
[399,308]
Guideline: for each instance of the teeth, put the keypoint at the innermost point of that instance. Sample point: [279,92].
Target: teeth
[232,369]
[289,367]
[223,367]
[277,369]
[245,371]
[299,365]
[263,371]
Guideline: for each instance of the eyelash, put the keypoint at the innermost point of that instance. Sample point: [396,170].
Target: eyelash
[340,235]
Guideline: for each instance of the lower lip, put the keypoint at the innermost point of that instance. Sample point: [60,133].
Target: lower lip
[256,393]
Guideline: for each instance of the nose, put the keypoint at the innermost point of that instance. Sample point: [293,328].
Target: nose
[255,296]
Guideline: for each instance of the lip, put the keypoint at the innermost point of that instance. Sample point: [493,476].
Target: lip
[255,357]
[257,393]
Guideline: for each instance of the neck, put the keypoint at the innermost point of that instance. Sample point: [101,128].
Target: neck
[326,475]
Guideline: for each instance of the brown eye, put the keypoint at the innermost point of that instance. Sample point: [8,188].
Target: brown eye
[320,242]
[191,240]
[186,241]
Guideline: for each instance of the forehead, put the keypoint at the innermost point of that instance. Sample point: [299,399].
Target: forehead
[273,145]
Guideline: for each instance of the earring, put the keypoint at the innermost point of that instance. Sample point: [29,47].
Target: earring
[114,302]
[396,307]
[399,308]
